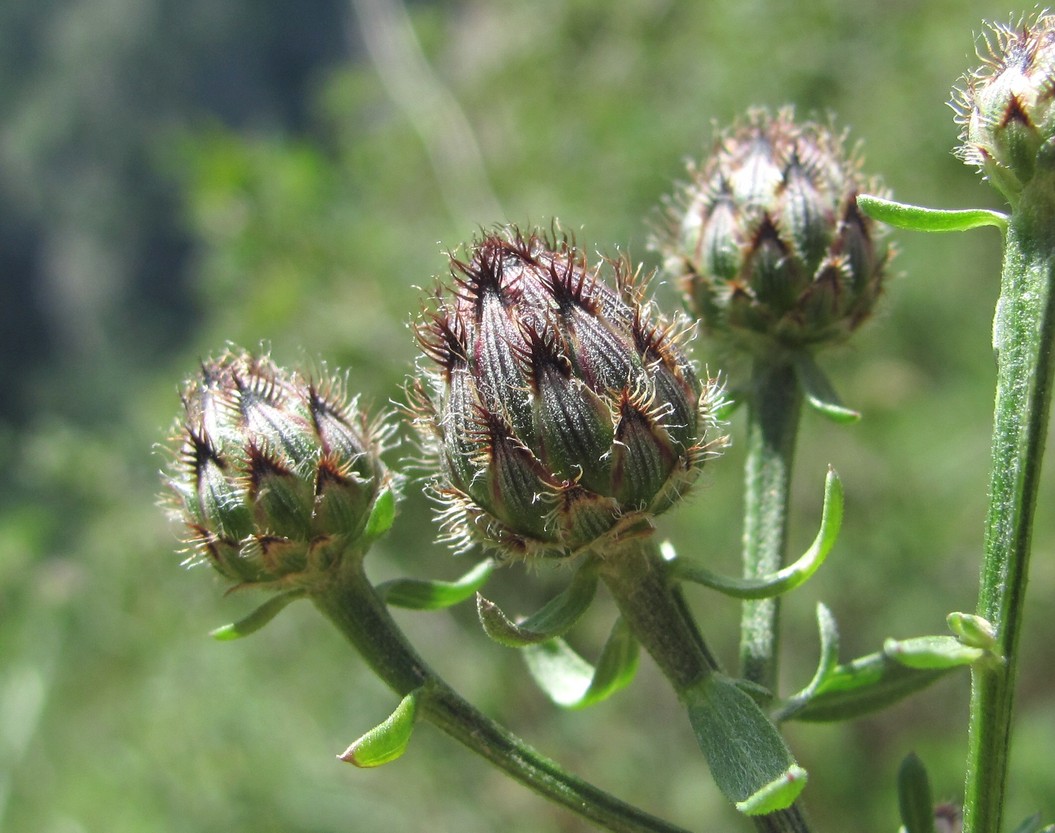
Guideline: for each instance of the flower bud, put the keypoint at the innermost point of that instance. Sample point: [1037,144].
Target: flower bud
[560,410]
[275,476]
[767,241]
[1005,106]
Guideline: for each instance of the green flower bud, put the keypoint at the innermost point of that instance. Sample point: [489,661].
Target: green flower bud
[560,409]
[275,476]
[1005,106]
[767,241]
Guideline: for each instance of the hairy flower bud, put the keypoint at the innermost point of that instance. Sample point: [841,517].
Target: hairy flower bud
[1005,106]
[275,476]
[767,240]
[560,409]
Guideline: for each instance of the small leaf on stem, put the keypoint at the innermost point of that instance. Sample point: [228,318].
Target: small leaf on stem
[257,619]
[785,579]
[917,218]
[819,393]
[553,619]
[421,594]
[572,682]
[386,741]
[931,652]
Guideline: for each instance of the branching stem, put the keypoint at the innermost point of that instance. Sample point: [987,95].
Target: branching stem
[355,608]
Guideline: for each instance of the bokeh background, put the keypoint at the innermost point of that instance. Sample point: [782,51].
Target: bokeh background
[174,175]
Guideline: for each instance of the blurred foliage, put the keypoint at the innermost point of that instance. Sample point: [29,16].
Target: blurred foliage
[173,176]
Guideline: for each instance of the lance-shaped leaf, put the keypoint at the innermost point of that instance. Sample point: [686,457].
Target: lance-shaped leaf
[748,758]
[421,594]
[386,741]
[848,690]
[914,796]
[818,390]
[552,620]
[932,652]
[917,218]
[785,579]
[257,619]
[572,682]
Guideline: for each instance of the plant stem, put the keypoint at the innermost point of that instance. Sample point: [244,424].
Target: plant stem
[656,612]
[352,604]
[772,428]
[1024,336]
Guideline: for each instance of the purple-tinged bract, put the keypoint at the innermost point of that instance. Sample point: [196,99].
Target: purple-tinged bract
[559,409]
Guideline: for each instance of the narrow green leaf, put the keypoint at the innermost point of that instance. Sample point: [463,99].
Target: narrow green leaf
[914,796]
[382,515]
[819,393]
[420,594]
[257,619]
[552,620]
[829,659]
[866,684]
[570,681]
[748,758]
[931,652]
[386,741]
[783,580]
[917,218]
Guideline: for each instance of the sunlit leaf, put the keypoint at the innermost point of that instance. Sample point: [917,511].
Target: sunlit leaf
[917,218]
[421,594]
[572,682]
[785,579]
[257,619]
[388,740]
[552,620]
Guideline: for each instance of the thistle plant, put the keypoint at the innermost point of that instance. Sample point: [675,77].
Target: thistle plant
[561,413]
[775,259]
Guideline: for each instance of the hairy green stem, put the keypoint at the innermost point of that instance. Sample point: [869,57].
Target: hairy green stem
[772,427]
[655,610]
[1024,337]
[355,608]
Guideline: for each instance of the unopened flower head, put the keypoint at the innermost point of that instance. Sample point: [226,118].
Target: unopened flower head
[1005,106]
[275,475]
[560,409]
[767,241]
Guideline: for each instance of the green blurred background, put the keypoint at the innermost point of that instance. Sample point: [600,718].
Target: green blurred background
[174,175]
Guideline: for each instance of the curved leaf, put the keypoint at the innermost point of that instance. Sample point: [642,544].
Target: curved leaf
[386,741]
[421,594]
[570,681]
[819,393]
[552,620]
[257,619]
[787,578]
